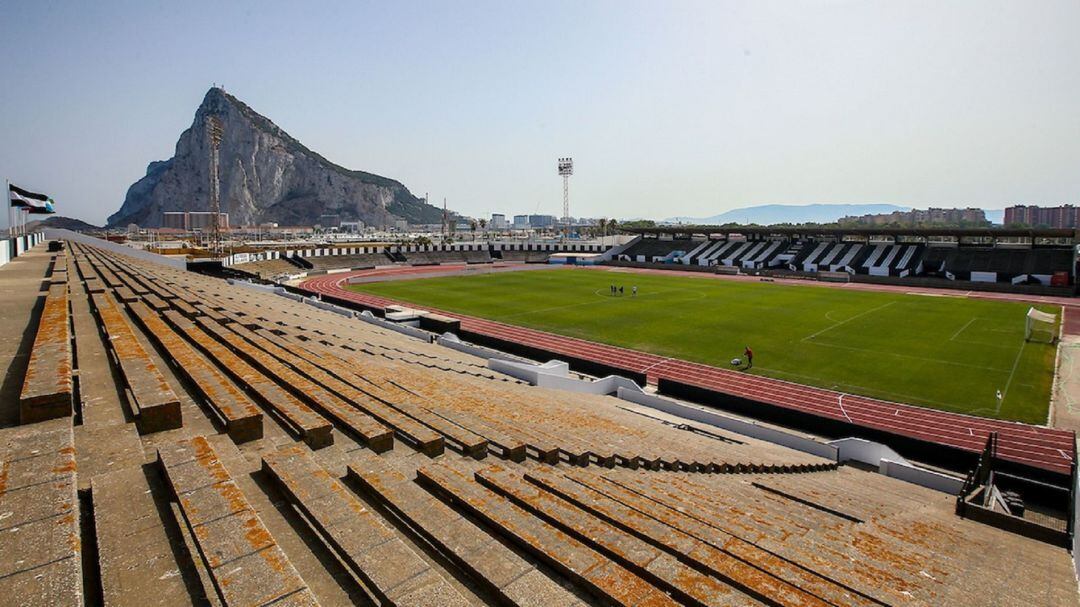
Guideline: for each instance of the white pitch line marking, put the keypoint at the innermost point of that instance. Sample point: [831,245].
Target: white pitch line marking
[968,324]
[1005,392]
[844,322]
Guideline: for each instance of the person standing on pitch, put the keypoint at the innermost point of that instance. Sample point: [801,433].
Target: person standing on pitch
[749,354]
[621,290]
[633,291]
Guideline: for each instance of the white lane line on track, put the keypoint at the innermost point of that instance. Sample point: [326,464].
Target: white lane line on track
[844,322]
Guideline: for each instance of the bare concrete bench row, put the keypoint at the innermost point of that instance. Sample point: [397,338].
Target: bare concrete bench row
[243,560]
[40,548]
[609,582]
[373,434]
[48,386]
[313,428]
[371,551]
[463,439]
[154,404]
[728,585]
[861,556]
[233,408]
[490,563]
[419,436]
[781,555]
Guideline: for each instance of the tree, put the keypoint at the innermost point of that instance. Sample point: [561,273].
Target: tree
[483,225]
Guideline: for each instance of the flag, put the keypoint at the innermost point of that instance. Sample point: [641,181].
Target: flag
[47,209]
[25,198]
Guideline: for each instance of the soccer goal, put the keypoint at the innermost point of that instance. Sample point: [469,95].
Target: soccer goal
[1040,326]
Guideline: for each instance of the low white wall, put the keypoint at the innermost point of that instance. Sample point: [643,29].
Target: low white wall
[732,424]
[892,464]
[921,476]
[329,307]
[253,285]
[862,450]
[449,340]
[555,374]
[370,318]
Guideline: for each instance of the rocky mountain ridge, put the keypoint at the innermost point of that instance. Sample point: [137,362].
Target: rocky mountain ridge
[266,176]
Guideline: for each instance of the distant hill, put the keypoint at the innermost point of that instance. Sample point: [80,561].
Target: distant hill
[769,214]
[61,223]
[266,175]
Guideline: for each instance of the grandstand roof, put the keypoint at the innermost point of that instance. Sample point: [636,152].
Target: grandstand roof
[862,231]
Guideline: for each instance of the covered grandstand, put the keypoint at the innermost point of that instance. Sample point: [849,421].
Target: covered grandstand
[273,263]
[215,443]
[1043,257]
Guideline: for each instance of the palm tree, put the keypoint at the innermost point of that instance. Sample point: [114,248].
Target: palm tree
[472,228]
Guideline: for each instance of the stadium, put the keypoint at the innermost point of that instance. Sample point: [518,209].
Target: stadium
[559,423]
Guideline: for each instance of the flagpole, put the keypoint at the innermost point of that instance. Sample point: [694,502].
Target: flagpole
[7,186]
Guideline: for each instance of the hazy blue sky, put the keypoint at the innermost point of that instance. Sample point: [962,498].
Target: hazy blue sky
[668,108]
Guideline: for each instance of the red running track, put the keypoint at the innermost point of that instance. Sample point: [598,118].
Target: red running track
[1037,446]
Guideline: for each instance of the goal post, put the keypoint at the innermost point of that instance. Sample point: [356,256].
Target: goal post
[1040,326]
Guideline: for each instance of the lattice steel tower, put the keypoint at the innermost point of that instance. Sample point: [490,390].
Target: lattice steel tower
[214,130]
[566,169]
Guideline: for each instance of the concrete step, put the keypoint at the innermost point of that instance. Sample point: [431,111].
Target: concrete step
[234,409]
[388,567]
[47,386]
[40,542]
[313,428]
[491,564]
[371,432]
[245,563]
[154,404]
[609,582]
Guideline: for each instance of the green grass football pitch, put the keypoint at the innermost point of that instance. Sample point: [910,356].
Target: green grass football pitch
[944,352]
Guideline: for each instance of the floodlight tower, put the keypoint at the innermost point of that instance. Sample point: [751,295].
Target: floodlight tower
[214,130]
[566,169]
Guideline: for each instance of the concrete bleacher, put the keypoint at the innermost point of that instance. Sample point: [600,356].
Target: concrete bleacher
[998,264]
[303,457]
[526,256]
[657,249]
[269,268]
[339,262]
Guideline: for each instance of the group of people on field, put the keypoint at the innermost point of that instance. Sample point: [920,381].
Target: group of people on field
[748,354]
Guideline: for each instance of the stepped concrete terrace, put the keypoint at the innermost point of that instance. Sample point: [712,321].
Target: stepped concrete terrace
[937,436]
[301,457]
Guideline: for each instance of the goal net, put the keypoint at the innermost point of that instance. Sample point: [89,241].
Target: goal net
[1041,326]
